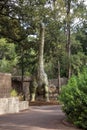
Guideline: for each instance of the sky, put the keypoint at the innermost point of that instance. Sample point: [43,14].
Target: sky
[86,2]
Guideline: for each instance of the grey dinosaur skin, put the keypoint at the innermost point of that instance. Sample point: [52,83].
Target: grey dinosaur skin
[41,80]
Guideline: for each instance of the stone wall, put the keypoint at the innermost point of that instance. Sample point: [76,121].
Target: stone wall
[55,81]
[53,87]
[23,105]
[12,105]
[5,85]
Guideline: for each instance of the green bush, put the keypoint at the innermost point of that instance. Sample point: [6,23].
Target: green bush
[8,56]
[14,93]
[74,99]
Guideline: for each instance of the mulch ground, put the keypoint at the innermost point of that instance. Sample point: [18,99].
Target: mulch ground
[43,103]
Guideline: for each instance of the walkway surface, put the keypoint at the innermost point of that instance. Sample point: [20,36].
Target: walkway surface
[36,118]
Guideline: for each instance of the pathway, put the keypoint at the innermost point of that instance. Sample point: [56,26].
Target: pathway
[37,118]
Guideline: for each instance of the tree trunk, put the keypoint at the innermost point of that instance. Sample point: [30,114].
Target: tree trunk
[22,69]
[68,37]
[59,80]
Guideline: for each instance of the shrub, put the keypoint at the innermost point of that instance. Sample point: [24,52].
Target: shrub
[74,99]
[14,93]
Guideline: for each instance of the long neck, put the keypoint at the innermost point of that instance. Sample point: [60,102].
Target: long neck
[41,48]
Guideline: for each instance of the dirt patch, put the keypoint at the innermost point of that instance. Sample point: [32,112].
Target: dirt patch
[41,103]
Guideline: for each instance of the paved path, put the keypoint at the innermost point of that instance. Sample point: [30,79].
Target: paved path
[37,118]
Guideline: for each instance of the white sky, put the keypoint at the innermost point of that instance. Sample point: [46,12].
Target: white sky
[85,2]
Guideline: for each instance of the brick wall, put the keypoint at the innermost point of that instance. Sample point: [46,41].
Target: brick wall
[5,85]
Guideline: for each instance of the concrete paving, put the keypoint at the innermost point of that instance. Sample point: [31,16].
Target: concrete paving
[36,118]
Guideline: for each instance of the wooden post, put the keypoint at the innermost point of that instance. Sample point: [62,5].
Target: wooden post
[59,80]
[22,68]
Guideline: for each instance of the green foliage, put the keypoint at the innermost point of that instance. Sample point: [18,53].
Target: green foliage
[14,93]
[74,99]
[20,22]
[81,35]
[8,57]
[77,62]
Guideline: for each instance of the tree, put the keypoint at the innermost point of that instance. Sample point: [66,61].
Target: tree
[68,6]
[74,10]
[81,34]
[21,19]
[8,57]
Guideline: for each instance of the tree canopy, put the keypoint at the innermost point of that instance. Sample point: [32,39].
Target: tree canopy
[20,24]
